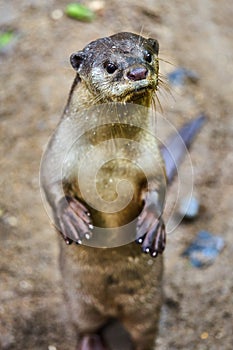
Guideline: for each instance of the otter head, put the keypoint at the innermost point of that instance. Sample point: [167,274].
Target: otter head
[120,68]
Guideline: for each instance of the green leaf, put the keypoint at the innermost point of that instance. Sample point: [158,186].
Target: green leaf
[5,39]
[79,12]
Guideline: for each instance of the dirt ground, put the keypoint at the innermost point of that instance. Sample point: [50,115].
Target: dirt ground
[35,79]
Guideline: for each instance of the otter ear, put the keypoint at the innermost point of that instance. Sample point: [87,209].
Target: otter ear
[154,44]
[76,59]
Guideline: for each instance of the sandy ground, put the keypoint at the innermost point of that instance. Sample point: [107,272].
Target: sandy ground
[35,80]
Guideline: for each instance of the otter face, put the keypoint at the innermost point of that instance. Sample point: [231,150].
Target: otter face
[120,68]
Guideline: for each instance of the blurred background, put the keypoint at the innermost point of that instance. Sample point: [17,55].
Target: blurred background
[36,40]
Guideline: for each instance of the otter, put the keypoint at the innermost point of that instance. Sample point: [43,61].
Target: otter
[123,282]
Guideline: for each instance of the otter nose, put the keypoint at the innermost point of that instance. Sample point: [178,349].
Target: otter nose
[137,73]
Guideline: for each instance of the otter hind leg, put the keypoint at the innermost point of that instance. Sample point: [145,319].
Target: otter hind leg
[92,342]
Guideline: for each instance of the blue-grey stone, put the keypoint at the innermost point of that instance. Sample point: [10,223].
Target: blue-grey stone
[189,207]
[205,249]
[179,75]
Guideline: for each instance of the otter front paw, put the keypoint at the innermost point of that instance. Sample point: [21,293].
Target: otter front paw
[151,229]
[73,220]
[154,240]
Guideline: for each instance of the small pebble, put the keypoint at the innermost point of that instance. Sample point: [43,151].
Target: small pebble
[179,76]
[220,334]
[204,250]
[11,221]
[57,14]
[51,347]
[204,335]
[25,285]
[96,5]
[189,207]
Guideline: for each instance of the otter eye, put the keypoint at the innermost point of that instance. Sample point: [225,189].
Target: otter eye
[110,67]
[148,57]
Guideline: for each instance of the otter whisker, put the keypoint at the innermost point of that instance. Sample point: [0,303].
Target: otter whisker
[155,97]
[166,61]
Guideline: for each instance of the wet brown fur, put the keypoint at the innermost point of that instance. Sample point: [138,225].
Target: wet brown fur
[122,282]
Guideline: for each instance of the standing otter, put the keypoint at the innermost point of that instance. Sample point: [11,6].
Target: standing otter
[119,282]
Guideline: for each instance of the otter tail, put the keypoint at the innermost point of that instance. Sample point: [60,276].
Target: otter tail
[174,149]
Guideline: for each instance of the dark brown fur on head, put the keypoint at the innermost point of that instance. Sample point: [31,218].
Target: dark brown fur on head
[122,67]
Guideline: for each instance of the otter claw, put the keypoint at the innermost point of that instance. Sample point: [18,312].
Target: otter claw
[68,240]
[156,244]
[139,240]
[155,239]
